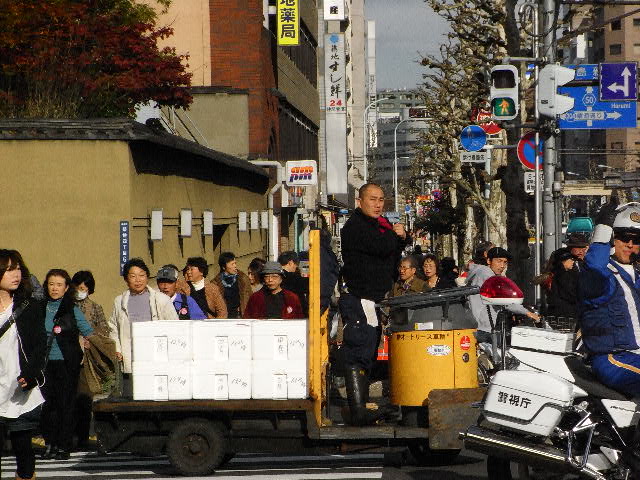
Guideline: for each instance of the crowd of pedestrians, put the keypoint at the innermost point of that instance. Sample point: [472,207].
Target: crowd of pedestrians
[49,333]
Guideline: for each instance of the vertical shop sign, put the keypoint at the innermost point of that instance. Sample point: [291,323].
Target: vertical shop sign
[288,23]
[124,243]
[334,73]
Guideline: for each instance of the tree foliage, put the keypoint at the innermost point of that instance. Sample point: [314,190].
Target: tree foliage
[86,58]
[482,33]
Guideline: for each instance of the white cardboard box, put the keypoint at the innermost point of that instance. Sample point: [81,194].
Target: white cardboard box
[221,380]
[161,381]
[221,340]
[542,339]
[161,341]
[279,380]
[279,340]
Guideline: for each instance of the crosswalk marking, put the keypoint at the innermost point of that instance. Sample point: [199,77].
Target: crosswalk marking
[285,467]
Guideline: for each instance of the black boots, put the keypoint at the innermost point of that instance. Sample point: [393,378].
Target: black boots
[49,452]
[357,385]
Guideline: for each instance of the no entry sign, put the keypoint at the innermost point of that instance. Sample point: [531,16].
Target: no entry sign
[527,150]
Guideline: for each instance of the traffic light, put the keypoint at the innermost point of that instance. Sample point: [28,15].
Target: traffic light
[505,82]
[550,102]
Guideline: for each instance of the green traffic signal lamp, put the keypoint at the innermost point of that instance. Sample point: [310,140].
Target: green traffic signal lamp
[503,107]
[504,92]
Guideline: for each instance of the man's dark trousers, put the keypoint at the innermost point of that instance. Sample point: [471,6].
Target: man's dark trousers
[360,340]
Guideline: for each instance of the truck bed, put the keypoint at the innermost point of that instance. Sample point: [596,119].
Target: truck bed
[126,405]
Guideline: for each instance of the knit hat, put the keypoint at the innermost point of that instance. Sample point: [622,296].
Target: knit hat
[498,252]
[577,240]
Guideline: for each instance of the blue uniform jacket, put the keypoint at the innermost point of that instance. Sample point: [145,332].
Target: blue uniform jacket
[609,303]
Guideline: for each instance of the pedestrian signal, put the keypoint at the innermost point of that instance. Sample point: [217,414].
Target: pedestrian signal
[505,83]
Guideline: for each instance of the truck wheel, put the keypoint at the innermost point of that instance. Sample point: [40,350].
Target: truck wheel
[498,469]
[196,446]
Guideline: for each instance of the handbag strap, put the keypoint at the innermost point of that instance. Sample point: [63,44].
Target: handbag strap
[12,319]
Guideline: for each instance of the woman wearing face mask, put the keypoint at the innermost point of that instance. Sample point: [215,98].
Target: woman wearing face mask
[65,323]
[84,285]
[23,345]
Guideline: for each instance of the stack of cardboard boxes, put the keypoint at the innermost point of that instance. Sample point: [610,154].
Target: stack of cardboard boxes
[219,359]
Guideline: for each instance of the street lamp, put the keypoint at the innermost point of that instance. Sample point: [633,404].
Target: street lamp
[364,133]
[395,155]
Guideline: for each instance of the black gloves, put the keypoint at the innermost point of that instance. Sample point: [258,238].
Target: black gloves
[607,213]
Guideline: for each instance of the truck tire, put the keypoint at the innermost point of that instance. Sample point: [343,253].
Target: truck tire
[196,446]
[498,469]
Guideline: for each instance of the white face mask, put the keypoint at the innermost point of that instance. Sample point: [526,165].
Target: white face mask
[81,295]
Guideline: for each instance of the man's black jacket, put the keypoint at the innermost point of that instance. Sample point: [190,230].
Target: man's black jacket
[370,257]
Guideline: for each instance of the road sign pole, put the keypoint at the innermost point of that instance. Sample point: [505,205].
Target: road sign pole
[487,191]
[548,206]
[536,170]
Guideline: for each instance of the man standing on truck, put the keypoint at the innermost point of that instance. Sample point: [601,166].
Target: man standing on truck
[371,249]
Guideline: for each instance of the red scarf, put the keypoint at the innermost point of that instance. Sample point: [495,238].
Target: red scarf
[383,224]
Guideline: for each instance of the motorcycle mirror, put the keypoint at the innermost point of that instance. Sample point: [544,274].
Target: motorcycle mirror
[499,290]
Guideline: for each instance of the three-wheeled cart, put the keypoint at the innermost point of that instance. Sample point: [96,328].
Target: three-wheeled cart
[433,379]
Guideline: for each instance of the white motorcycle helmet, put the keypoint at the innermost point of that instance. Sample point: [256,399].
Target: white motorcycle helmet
[628,218]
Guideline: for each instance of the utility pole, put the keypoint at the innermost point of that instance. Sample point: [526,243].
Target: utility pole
[550,152]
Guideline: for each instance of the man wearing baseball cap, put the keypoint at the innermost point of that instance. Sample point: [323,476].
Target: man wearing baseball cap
[186,307]
[497,261]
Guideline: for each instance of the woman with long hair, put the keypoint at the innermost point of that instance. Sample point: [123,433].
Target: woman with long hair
[23,341]
[65,323]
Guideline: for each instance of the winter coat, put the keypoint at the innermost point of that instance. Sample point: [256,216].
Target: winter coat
[257,306]
[33,340]
[562,299]
[95,316]
[370,256]
[244,287]
[213,294]
[120,326]
[416,286]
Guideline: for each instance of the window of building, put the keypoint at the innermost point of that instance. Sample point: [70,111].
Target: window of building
[636,22]
[304,55]
[636,48]
[616,25]
[616,145]
[615,49]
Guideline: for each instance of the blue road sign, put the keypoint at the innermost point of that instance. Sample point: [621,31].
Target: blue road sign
[618,81]
[407,209]
[473,138]
[588,71]
[590,113]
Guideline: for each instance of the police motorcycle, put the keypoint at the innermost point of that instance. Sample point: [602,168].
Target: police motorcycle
[547,413]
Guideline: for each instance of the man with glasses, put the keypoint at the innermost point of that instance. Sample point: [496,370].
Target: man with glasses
[408,282]
[609,294]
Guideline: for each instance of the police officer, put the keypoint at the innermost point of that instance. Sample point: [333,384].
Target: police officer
[186,307]
[609,297]
[371,249]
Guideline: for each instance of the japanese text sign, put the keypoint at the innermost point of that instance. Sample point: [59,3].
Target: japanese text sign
[288,23]
[124,243]
[334,73]
[334,10]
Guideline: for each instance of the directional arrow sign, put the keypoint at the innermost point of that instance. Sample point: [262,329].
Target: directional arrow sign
[590,113]
[619,81]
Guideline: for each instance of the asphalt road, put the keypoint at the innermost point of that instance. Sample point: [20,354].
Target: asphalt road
[351,466]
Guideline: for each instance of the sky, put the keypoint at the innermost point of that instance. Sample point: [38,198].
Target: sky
[405,30]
